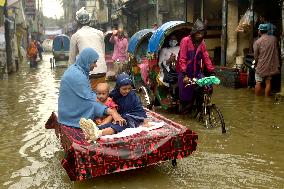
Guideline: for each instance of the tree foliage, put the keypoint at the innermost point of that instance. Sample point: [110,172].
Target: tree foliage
[53,22]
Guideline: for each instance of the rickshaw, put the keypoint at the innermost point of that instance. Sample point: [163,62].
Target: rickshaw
[150,68]
[137,49]
[167,97]
[60,50]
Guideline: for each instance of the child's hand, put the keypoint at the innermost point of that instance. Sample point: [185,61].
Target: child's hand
[119,120]
[116,117]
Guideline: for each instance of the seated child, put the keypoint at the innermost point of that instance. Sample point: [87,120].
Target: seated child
[102,91]
[129,107]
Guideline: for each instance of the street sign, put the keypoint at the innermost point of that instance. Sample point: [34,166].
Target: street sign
[30,7]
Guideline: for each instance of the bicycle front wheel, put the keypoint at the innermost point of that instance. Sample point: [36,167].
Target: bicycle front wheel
[216,118]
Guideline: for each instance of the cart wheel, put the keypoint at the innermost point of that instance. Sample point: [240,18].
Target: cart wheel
[174,162]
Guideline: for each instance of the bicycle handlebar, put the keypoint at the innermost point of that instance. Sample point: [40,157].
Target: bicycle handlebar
[191,82]
[212,80]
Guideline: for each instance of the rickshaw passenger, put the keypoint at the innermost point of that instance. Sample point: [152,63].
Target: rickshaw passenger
[167,60]
[76,98]
[193,58]
[129,107]
[102,91]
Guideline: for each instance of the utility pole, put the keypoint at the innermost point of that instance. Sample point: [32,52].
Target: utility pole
[7,41]
[253,22]
[224,33]
[38,19]
[157,12]
[185,10]
[109,5]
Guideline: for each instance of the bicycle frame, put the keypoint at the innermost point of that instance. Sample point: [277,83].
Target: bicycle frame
[202,96]
[208,113]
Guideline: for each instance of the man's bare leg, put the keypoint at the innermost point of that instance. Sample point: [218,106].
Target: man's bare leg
[257,89]
[267,87]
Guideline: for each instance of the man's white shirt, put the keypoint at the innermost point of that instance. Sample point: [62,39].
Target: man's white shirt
[88,37]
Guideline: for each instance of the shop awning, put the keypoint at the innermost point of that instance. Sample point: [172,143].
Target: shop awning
[11,2]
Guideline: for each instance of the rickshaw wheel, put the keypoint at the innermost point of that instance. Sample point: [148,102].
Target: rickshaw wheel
[145,95]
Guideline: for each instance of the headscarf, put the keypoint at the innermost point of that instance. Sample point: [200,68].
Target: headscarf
[129,105]
[82,16]
[198,26]
[122,80]
[86,58]
[76,98]
[263,27]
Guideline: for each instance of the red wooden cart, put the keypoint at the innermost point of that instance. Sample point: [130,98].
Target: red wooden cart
[85,160]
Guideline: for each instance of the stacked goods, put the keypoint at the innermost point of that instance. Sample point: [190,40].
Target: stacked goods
[243,79]
[229,77]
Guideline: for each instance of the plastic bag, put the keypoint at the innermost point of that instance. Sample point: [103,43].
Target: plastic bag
[205,81]
[246,21]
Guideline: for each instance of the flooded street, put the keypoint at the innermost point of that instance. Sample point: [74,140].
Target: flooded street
[249,155]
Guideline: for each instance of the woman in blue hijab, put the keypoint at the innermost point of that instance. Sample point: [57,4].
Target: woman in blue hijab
[128,102]
[76,98]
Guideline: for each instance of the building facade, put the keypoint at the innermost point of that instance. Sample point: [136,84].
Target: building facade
[18,35]
[224,43]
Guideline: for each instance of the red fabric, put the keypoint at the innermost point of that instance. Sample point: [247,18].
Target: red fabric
[186,45]
[32,50]
[85,161]
[109,103]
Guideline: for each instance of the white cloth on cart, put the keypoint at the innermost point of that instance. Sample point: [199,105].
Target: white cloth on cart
[132,131]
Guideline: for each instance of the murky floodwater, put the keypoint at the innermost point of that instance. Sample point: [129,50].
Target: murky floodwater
[250,155]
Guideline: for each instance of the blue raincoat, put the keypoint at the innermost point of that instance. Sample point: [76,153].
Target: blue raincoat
[129,106]
[76,98]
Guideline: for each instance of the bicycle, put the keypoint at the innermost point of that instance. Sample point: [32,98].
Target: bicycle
[206,112]
[202,108]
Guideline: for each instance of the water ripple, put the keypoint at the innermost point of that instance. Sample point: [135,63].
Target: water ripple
[250,155]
